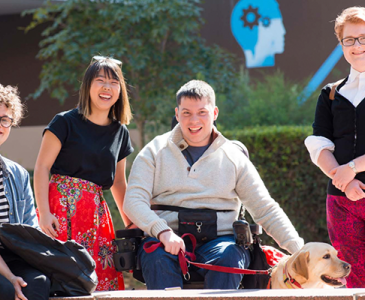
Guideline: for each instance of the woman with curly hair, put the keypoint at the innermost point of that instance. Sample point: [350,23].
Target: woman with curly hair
[18,280]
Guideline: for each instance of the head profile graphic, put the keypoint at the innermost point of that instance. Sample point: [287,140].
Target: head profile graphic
[258,28]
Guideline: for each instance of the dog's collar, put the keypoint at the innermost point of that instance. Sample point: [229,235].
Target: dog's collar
[289,281]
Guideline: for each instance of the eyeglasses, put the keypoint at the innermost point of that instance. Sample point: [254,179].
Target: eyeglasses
[347,42]
[6,122]
[100,58]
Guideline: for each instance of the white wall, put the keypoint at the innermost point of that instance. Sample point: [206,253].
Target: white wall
[23,145]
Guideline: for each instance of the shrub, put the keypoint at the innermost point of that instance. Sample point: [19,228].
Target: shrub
[279,154]
[266,101]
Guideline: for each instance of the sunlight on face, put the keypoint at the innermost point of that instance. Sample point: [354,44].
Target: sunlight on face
[355,55]
[104,92]
[196,119]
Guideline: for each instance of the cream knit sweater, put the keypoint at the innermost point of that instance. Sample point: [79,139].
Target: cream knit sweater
[221,179]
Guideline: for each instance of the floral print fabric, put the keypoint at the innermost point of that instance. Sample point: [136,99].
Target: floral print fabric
[84,216]
[346,228]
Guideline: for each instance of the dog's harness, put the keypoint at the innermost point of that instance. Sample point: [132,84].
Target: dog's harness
[289,281]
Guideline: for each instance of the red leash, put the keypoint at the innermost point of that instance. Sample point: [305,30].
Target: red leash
[184,261]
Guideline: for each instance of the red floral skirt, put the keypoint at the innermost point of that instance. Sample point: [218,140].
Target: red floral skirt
[84,216]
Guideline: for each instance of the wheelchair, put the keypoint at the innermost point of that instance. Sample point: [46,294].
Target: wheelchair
[129,240]
[247,235]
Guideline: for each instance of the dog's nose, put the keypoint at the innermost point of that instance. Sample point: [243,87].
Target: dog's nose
[346,266]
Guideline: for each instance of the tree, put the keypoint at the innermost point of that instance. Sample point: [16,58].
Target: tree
[158,42]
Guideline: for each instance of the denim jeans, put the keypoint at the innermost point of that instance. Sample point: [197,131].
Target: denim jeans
[38,284]
[161,269]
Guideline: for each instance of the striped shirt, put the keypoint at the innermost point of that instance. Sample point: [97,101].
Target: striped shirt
[4,204]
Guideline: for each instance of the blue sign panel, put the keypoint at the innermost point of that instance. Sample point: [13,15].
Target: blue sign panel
[258,27]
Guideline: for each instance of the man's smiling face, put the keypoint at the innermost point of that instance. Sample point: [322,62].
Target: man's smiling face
[196,117]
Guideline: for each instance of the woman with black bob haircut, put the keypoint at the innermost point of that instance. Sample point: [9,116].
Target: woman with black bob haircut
[85,151]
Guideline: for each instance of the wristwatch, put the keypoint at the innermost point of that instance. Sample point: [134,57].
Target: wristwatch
[352,166]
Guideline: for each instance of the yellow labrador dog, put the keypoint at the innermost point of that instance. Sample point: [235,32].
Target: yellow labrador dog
[316,265]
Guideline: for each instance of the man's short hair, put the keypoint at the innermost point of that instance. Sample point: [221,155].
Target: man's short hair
[355,15]
[196,89]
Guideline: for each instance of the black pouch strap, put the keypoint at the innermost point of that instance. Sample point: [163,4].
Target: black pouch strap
[178,208]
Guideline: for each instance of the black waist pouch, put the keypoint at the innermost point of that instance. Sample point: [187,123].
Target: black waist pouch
[202,223]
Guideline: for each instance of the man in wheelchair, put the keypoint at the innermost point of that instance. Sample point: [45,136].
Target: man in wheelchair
[193,180]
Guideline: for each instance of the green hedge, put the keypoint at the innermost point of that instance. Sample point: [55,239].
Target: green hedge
[279,154]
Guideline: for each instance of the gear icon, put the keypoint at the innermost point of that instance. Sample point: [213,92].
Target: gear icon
[250,17]
[266,21]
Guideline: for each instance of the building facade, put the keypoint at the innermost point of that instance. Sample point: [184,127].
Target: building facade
[295,36]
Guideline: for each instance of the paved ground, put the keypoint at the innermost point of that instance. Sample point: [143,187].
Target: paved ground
[314,294]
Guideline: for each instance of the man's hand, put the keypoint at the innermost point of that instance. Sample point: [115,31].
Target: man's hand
[354,190]
[49,225]
[342,176]
[18,283]
[172,242]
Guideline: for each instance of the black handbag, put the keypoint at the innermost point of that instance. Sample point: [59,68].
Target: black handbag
[69,266]
[258,262]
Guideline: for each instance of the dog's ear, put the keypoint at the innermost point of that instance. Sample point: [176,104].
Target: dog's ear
[300,264]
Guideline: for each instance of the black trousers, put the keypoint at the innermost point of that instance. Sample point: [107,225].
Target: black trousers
[38,284]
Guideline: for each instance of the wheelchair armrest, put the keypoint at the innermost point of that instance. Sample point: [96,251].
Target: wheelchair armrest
[256,229]
[127,242]
[128,233]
